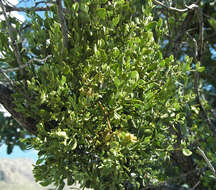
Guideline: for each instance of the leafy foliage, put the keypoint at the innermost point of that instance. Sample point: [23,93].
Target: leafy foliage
[117,108]
[107,104]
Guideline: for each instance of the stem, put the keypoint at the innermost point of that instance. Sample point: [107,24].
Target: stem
[106,115]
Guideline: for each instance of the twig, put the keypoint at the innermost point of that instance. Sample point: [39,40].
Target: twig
[188,8]
[26,9]
[180,32]
[44,2]
[196,185]
[206,160]
[63,23]
[201,33]
[9,5]
[106,115]
[13,41]
[25,65]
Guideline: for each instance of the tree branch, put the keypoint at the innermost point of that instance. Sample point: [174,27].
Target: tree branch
[63,23]
[6,77]
[7,100]
[13,40]
[196,90]
[25,65]
[207,160]
[10,8]
[198,50]
[25,9]
[188,8]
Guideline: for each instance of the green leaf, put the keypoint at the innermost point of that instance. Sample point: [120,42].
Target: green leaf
[117,82]
[39,161]
[75,6]
[101,12]
[84,7]
[212,22]
[115,21]
[117,116]
[74,144]
[186,152]
[135,75]
[63,80]
[150,25]
[45,183]
[104,1]
[199,68]
[195,109]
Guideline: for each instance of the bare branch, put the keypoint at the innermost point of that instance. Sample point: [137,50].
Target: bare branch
[25,65]
[10,7]
[63,23]
[26,9]
[188,8]
[196,185]
[13,41]
[206,160]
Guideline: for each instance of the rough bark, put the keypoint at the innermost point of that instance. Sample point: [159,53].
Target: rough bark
[7,101]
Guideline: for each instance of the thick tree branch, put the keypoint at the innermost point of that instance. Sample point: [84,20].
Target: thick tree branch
[7,100]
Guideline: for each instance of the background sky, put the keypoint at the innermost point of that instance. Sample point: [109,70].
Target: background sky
[18,153]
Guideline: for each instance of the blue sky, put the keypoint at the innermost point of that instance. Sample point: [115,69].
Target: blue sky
[18,153]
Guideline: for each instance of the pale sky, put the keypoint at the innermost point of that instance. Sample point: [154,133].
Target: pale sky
[14,13]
